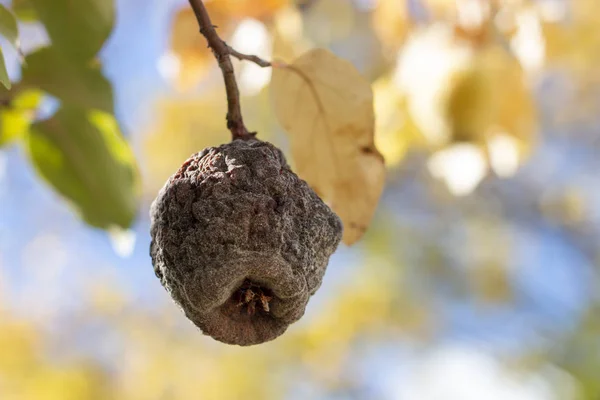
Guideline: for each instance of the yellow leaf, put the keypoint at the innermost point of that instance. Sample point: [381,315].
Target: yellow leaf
[194,57]
[185,126]
[263,9]
[573,39]
[490,282]
[326,107]
[328,21]
[395,129]
[190,46]
[490,96]
[424,75]
[571,42]
[289,40]
[182,128]
[391,22]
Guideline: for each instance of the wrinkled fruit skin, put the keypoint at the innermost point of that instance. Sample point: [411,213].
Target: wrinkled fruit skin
[233,216]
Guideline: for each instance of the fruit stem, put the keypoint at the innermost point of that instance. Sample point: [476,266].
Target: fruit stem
[221,51]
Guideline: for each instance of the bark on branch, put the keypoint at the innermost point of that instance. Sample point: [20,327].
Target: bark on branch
[252,58]
[235,121]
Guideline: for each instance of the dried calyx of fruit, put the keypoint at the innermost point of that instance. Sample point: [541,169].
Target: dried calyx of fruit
[240,242]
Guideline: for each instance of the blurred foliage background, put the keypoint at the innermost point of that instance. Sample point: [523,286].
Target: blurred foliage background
[478,278]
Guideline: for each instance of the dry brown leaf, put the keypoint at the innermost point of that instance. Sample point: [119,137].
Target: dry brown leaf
[326,107]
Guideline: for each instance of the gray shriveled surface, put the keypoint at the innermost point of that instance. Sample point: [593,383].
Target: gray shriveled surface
[233,215]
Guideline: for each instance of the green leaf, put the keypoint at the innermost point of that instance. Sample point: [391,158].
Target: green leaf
[18,116]
[73,83]
[83,155]
[24,10]
[78,28]
[4,79]
[8,26]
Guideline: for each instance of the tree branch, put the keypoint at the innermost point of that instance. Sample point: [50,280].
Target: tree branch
[252,58]
[221,51]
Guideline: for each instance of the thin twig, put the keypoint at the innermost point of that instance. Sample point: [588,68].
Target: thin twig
[235,122]
[252,58]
